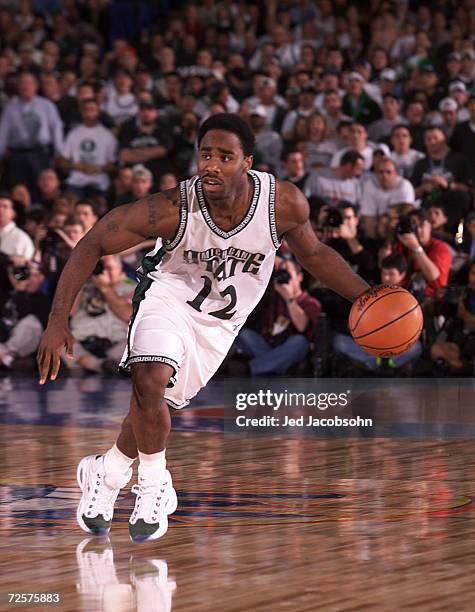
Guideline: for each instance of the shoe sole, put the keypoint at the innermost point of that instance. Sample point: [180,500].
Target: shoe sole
[170,506]
[81,469]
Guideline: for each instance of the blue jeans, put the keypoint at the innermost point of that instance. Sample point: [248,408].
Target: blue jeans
[269,360]
[345,345]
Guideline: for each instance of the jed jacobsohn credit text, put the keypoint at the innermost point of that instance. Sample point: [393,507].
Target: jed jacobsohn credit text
[286,399]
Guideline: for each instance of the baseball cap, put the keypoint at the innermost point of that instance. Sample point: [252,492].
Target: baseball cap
[448,104]
[454,56]
[427,68]
[388,74]
[139,171]
[260,111]
[355,76]
[468,53]
[457,86]
[382,148]
[308,89]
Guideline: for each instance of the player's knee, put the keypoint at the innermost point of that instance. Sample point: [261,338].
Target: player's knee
[150,380]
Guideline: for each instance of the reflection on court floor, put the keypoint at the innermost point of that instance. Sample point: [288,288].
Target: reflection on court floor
[264,523]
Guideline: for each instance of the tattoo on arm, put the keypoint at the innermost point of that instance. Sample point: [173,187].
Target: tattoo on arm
[152,212]
[112,226]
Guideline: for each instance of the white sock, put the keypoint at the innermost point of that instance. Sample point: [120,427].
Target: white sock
[116,461]
[150,466]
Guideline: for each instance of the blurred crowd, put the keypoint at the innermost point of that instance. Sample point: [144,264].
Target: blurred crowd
[368,107]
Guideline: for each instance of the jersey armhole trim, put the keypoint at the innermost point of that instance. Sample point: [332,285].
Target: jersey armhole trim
[272,224]
[172,244]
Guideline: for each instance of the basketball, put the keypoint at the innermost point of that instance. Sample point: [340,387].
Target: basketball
[386,320]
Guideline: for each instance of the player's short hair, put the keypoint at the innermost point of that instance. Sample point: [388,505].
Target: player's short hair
[395,260]
[230,122]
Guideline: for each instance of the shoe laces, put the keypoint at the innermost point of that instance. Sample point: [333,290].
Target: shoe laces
[102,496]
[150,497]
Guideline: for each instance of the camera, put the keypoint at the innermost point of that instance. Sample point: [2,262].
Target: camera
[334,218]
[281,276]
[99,269]
[405,225]
[20,273]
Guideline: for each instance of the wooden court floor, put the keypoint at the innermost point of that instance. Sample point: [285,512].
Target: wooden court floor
[263,523]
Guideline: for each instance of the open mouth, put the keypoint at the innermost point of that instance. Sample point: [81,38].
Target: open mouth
[212,184]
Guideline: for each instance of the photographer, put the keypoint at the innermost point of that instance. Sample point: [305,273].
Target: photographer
[288,317]
[429,259]
[101,315]
[454,347]
[343,225]
[24,313]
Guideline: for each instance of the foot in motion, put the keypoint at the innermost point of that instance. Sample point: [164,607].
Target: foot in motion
[155,501]
[99,492]
[153,587]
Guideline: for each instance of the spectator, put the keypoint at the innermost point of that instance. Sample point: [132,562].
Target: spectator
[48,187]
[463,137]
[268,147]
[358,141]
[449,110]
[439,221]
[305,108]
[100,321]
[31,132]
[167,181]
[185,144]
[340,183]
[24,314]
[142,182]
[13,241]
[429,259]
[443,176]
[320,149]
[380,191]
[89,153]
[403,156]
[357,103]
[332,105]
[415,116]
[380,130]
[145,139]
[86,213]
[286,326]
[458,92]
[294,166]
[468,244]
[122,186]
[393,272]
[120,104]
[347,239]
[266,95]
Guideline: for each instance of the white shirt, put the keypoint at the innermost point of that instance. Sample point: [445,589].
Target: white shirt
[94,145]
[405,163]
[375,200]
[120,107]
[14,242]
[326,185]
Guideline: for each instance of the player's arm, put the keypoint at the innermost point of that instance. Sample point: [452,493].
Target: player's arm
[317,258]
[120,229]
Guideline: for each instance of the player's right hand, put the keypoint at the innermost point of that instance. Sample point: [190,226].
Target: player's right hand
[53,341]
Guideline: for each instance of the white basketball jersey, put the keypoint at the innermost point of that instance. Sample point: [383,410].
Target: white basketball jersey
[217,276]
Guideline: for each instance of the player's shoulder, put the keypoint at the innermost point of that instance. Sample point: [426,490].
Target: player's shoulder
[291,204]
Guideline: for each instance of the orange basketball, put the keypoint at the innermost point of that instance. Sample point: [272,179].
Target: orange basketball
[386,320]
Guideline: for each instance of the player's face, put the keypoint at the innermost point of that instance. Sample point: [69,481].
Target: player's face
[221,163]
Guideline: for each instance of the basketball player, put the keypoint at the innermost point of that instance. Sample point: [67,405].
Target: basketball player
[217,234]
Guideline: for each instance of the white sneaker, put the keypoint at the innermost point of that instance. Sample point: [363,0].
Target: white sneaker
[154,502]
[99,492]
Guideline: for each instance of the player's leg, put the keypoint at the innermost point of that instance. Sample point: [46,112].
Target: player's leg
[151,423]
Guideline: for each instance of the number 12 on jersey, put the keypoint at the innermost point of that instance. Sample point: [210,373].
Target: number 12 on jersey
[224,313]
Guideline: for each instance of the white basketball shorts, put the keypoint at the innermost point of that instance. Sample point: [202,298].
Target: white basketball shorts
[162,330]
